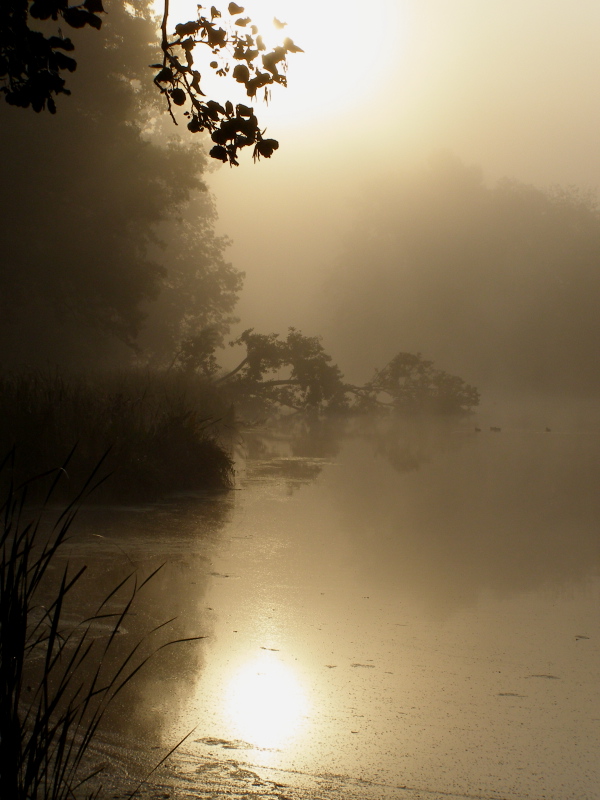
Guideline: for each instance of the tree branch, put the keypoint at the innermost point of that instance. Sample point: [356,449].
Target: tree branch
[165,39]
[233,371]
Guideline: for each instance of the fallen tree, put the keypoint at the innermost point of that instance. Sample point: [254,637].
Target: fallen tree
[296,375]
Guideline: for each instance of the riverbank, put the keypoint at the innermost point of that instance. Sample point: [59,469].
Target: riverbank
[155,432]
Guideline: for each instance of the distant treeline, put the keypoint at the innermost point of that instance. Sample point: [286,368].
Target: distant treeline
[499,281]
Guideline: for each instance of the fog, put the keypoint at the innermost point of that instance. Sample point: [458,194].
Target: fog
[410,614]
[422,570]
[506,88]
[412,205]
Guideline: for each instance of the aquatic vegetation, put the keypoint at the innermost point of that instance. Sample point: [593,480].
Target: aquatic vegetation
[56,679]
[164,430]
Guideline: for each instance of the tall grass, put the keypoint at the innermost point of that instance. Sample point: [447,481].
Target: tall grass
[56,681]
[165,431]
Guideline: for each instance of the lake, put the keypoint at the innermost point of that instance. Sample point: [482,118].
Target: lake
[406,613]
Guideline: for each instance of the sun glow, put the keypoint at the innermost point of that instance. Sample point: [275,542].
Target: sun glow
[265,702]
[347,48]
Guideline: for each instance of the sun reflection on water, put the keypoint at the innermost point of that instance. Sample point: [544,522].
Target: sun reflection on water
[265,702]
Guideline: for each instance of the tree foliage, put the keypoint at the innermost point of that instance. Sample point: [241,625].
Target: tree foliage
[293,373]
[413,385]
[296,374]
[238,50]
[33,65]
[111,240]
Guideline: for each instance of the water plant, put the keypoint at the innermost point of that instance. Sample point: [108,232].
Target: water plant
[56,680]
[164,430]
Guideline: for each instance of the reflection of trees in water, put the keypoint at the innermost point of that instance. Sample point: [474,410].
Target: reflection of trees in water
[409,444]
[319,438]
[295,451]
[296,472]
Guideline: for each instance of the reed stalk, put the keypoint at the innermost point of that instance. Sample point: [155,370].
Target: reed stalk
[56,681]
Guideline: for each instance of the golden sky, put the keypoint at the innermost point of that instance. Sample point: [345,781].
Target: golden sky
[510,85]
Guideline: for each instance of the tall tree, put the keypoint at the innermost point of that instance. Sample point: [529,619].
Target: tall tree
[103,216]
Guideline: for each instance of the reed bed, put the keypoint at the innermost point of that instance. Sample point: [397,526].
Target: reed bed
[56,680]
[165,431]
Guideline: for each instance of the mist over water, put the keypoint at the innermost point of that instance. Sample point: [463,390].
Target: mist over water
[399,606]
[417,609]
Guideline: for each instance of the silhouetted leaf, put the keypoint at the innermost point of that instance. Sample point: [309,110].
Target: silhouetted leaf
[220,136]
[219,152]
[243,21]
[241,73]
[187,28]
[58,43]
[43,9]
[165,76]
[178,96]
[233,8]
[79,18]
[64,62]
[226,132]
[270,61]
[265,148]
[279,25]
[249,127]
[291,47]
[196,82]
[260,79]
[214,12]
[251,55]
[194,125]
[243,141]
[216,37]
[215,107]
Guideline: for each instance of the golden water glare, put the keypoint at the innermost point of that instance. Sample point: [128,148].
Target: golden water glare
[265,703]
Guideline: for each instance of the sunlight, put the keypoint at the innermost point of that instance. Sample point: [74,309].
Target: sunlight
[265,702]
[348,46]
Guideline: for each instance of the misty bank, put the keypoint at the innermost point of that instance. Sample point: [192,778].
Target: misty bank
[159,432]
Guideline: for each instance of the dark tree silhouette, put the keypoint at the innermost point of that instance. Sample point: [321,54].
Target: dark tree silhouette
[294,373]
[297,374]
[108,230]
[413,385]
[33,65]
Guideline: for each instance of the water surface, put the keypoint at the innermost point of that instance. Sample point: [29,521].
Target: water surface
[412,614]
